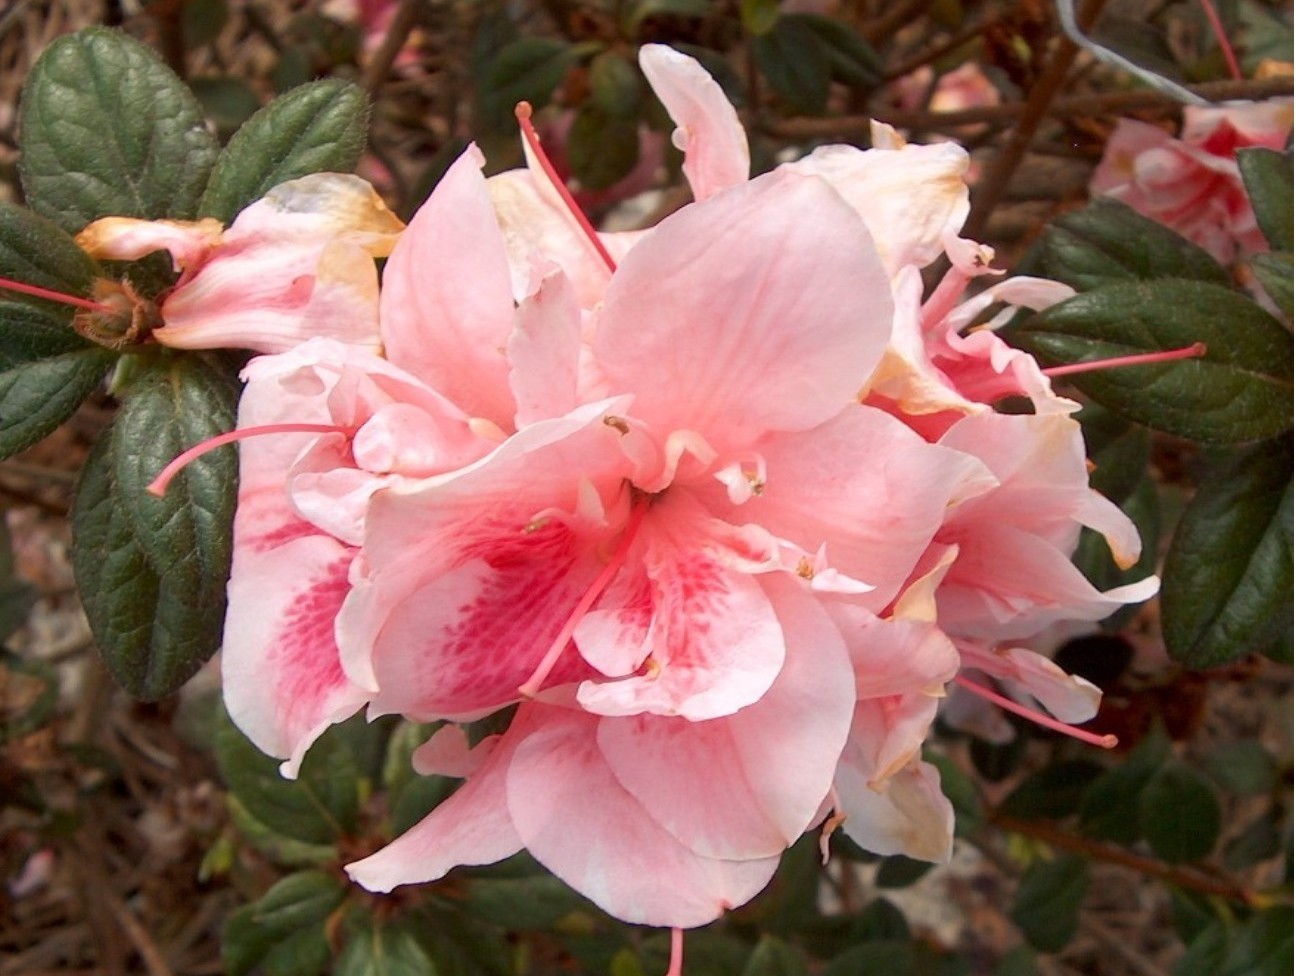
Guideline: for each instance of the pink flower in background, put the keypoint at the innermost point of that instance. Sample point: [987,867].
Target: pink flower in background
[1192,184]
[296,264]
[666,494]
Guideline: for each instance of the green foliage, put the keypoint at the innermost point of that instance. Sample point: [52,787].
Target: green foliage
[1109,808]
[283,932]
[774,957]
[1047,905]
[1240,390]
[1268,179]
[379,947]
[37,396]
[795,63]
[1228,574]
[1053,792]
[108,130]
[151,571]
[319,127]
[36,251]
[1179,814]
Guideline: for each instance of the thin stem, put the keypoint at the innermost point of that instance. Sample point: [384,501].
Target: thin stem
[1039,718]
[523,113]
[1195,351]
[398,33]
[676,953]
[1221,37]
[158,485]
[55,296]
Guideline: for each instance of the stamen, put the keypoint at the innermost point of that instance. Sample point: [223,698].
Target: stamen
[835,820]
[1221,36]
[56,296]
[1039,718]
[1195,351]
[523,113]
[677,953]
[531,686]
[944,298]
[158,485]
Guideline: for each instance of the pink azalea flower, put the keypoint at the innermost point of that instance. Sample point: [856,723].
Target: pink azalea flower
[1192,184]
[295,264]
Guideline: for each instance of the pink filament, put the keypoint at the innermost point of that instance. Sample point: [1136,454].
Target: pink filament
[1217,26]
[1039,718]
[1195,351]
[944,298]
[55,296]
[158,485]
[676,953]
[532,685]
[523,113]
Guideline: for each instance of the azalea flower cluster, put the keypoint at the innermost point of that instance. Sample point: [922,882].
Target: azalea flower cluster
[716,511]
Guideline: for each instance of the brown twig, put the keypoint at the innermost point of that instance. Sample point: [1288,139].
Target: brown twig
[994,181]
[398,33]
[897,16]
[1111,854]
[940,49]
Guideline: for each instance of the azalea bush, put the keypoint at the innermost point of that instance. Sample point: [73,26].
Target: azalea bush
[655,600]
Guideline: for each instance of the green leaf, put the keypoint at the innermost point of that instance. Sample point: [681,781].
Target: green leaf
[1240,390]
[318,807]
[1244,768]
[1263,947]
[35,397]
[1258,841]
[1110,805]
[1179,814]
[24,709]
[795,63]
[962,793]
[1205,953]
[287,921]
[851,60]
[1093,557]
[1120,451]
[227,101]
[283,851]
[665,8]
[1053,792]
[383,948]
[1268,178]
[759,16]
[1047,905]
[535,902]
[774,957]
[1227,587]
[29,334]
[36,251]
[1107,242]
[602,148]
[1274,272]
[152,571]
[615,88]
[317,128]
[898,871]
[108,130]
[526,70]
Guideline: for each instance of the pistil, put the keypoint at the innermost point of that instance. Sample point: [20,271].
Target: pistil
[158,485]
[1195,351]
[54,296]
[1039,718]
[523,113]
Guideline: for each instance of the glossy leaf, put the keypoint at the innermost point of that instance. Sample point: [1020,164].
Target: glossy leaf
[851,60]
[1240,390]
[283,931]
[774,957]
[1227,590]
[1179,814]
[1107,242]
[35,397]
[36,251]
[1110,805]
[602,148]
[318,807]
[1274,272]
[383,948]
[29,333]
[794,62]
[109,130]
[1047,905]
[1268,178]
[317,128]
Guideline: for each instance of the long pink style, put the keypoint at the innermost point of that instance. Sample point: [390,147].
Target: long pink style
[158,485]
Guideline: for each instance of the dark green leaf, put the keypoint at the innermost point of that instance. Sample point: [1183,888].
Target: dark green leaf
[36,397]
[31,687]
[1268,178]
[615,88]
[283,851]
[774,957]
[202,21]
[317,128]
[1019,962]
[1120,451]
[961,791]
[286,921]
[602,148]
[36,251]
[318,807]
[1274,272]
[795,63]
[1240,390]
[899,871]
[151,571]
[1205,953]
[459,944]
[535,902]
[850,58]
[759,16]
[1260,840]
[29,334]
[227,101]
[664,8]
[1263,947]
[108,130]
[1227,588]
[1245,768]
[383,948]
[1047,905]
[526,70]
[1110,805]
[1107,242]
[1053,792]
[1179,814]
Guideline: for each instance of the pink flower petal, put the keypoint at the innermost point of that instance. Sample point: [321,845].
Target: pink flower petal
[909,816]
[544,351]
